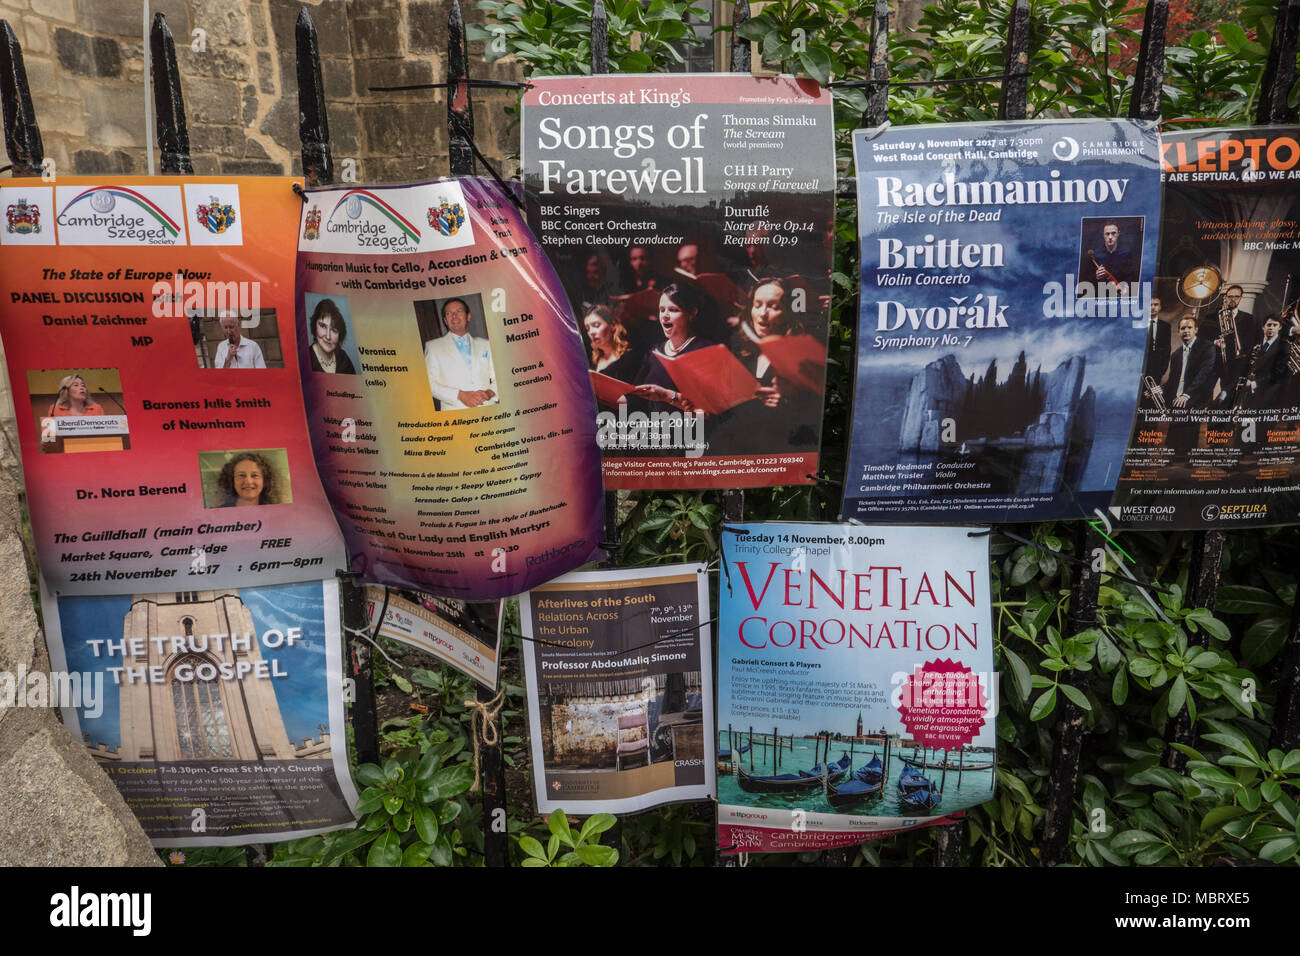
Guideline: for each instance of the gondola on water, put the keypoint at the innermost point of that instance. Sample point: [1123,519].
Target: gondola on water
[867,782]
[802,782]
[916,792]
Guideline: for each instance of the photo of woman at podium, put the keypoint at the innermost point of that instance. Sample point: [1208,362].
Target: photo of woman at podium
[78,411]
[74,399]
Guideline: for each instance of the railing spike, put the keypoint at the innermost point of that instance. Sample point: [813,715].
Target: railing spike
[1015,62]
[460,109]
[22,135]
[169,104]
[877,113]
[1149,80]
[740,61]
[599,38]
[1279,71]
[313,119]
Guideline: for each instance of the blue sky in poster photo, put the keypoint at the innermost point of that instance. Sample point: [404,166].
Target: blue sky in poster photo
[301,695]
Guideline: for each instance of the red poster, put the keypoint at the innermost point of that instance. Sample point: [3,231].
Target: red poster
[147,324]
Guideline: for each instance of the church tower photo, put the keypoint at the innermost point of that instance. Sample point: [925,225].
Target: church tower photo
[193,714]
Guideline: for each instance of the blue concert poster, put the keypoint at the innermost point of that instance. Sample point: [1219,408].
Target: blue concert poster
[1006,285]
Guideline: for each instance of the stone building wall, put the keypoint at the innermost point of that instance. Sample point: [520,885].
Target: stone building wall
[85,62]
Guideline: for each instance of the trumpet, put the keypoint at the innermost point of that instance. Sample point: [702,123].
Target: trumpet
[1152,389]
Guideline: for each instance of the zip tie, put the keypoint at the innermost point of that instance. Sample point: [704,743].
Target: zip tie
[733,528]
[302,194]
[366,637]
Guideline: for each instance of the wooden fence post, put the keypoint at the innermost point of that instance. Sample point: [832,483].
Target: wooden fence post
[22,135]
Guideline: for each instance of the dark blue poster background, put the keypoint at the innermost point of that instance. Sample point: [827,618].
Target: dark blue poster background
[1006,282]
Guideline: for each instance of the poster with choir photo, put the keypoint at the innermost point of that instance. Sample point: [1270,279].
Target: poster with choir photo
[1005,278]
[691,220]
[1216,443]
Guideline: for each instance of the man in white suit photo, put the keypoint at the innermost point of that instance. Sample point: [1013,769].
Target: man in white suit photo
[460,364]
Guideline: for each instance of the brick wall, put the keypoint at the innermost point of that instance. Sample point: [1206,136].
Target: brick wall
[85,62]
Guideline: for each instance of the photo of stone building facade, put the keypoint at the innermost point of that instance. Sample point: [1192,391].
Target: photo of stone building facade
[194,714]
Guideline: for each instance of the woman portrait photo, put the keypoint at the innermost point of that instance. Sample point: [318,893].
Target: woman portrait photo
[781,416]
[683,320]
[73,399]
[611,354]
[248,479]
[328,332]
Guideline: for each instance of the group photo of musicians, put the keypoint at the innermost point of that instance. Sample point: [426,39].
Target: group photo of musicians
[642,307]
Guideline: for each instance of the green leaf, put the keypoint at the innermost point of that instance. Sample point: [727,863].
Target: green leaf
[449,811]
[1219,816]
[426,824]
[1281,850]
[416,854]
[1108,655]
[1044,705]
[1025,569]
[560,827]
[402,683]
[1019,672]
[1233,36]
[596,855]
[1213,776]
[1079,698]
[1177,695]
[1135,611]
[1119,689]
[371,799]
[369,775]
[534,849]
[428,766]
[386,851]
[1238,599]
[344,844]
[450,781]
[1143,666]
[816,61]
[440,854]
[1263,639]
[393,804]
[1210,624]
